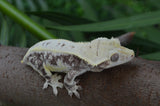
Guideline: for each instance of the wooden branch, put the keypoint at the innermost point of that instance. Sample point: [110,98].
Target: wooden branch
[135,83]
[126,38]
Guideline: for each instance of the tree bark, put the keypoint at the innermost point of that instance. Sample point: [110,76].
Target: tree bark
[134,83]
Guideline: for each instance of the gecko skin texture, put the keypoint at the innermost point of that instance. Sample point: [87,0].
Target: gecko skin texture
[74,58]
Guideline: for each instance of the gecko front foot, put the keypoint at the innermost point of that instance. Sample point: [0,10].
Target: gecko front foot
[72,89]
[54,83]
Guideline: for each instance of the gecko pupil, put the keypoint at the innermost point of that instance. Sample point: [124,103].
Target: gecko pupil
[114,57]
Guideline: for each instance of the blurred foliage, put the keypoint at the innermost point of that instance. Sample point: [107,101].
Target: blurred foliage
[59,13]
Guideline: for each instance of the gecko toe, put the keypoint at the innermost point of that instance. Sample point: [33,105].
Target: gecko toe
[79,87]
[70,93]
[55,91]
[76,94]
[45,85]
[74,90]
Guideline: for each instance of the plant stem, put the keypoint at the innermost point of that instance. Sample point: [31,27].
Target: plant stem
[24,20]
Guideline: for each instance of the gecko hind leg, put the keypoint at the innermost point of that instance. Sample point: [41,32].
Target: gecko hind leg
[73,89]
[70,83]
[52,80]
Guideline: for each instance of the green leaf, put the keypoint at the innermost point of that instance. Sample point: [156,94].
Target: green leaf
[78,36]
[148,33]
[4,36]
[18,39]
[141,20]
[60,18]
[22,41]
[43,4]
[89,12]
[19,4]
[143,46]
[31,5]
[24,20]
[152,56]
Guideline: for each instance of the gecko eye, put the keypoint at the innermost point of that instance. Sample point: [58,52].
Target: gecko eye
[114,57]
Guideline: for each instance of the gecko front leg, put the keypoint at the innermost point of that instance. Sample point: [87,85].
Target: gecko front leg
[70,83]
[52,80]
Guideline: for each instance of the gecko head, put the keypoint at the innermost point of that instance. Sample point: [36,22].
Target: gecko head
[117,55]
